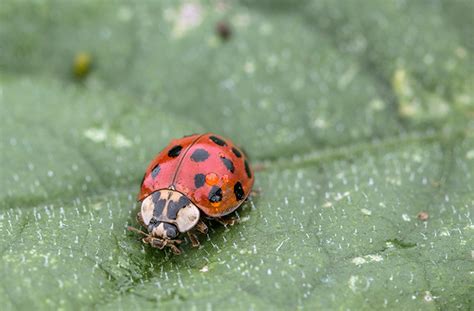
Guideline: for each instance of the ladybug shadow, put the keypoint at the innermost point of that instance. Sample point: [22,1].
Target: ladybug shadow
[220,230]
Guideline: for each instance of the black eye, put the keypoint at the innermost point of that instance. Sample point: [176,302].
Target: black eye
[171,231]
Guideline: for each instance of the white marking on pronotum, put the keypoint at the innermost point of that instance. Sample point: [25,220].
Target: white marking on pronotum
[281,244]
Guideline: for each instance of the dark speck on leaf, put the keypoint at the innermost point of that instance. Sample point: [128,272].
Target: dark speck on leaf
[223,30]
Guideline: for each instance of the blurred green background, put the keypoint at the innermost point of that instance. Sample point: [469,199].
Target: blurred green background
[361,112]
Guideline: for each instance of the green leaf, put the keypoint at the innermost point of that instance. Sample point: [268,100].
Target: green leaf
[360,113]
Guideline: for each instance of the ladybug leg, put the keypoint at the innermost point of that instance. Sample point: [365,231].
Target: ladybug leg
[194,239]
[229,221]
[201,227]
[158,243]
[147,236]
[171,244]
[154,242]
[174,249]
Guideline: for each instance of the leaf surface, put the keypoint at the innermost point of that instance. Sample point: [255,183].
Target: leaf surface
[360,113]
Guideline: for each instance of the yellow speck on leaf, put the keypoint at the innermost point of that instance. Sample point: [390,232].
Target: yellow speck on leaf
[82,64]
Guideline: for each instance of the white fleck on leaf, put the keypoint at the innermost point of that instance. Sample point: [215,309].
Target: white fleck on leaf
[406,217]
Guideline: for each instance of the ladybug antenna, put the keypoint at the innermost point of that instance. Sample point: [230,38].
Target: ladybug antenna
[137,231]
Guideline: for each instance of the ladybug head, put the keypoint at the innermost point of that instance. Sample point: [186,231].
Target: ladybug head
[167,213]
[165,231]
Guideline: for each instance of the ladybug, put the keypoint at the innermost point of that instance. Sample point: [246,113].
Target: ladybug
[193,178]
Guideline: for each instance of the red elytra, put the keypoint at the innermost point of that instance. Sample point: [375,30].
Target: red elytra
[208,169]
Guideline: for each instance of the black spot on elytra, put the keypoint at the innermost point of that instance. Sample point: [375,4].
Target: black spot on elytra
[175,206]
[247,169]
[199,180]
[236,152]
[175,151]
[215,195]
[155,171]
[238,191]
[218,141]
[228,163]
[171,230]
[199,155]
